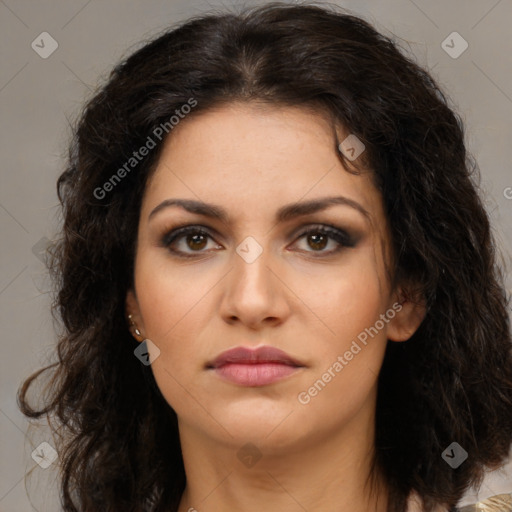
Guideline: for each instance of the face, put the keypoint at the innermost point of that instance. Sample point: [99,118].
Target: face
[258,257]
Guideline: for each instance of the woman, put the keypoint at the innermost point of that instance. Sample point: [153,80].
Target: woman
[277,281]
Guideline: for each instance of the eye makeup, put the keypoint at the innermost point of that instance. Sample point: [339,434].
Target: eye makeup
[320,235]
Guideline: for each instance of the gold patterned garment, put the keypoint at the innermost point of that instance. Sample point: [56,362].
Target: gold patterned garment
[499,503]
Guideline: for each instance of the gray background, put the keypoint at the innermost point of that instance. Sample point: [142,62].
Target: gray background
[38,96]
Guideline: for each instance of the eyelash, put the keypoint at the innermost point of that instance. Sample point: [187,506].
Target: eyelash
[338,235]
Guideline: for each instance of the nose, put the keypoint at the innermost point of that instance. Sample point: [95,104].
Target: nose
[255,292]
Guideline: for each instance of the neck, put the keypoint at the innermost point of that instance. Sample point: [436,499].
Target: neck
[318,475]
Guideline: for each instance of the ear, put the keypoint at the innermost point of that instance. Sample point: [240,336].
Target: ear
[132,308]
[410,311]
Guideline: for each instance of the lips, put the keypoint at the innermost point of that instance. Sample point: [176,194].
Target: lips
[261,355]
[254,367]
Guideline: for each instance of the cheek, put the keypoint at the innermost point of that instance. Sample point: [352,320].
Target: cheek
[174,305]
[347,299]
[174,308]
[349,360]
[170,297]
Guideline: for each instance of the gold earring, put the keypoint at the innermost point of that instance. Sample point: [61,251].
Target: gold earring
[135,329]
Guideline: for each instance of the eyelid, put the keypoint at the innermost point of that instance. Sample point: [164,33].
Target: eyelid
[175,232]
[342,237]
[324,228]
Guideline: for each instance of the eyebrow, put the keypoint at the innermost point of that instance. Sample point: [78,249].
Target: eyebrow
[284,213]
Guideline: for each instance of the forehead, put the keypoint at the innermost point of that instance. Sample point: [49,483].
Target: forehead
[253,158]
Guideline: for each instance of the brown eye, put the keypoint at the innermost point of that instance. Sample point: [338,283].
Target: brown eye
[186,241]
[317,241]
[317,238]
[196,242]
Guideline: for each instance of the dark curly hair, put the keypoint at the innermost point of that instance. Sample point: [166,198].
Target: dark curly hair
[451,382]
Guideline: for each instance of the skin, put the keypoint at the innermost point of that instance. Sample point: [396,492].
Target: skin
[295,296]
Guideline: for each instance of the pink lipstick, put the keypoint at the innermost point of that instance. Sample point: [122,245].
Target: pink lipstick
[254,367]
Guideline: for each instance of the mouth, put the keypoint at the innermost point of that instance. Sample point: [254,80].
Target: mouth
[254,367]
